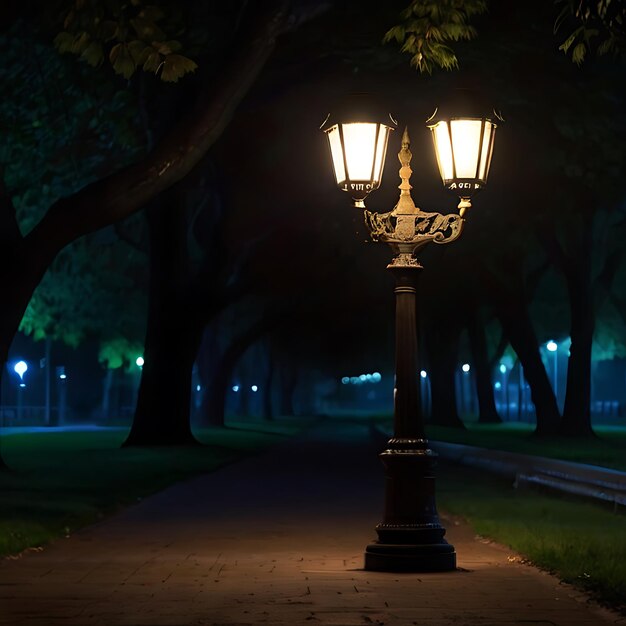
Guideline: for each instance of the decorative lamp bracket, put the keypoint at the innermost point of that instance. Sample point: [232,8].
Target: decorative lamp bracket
[407,228]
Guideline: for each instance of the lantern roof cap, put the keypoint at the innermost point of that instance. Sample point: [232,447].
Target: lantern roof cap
[355,107]
[465,103]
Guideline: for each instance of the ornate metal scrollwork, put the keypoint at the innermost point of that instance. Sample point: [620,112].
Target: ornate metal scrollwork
[407,228]
[419,228]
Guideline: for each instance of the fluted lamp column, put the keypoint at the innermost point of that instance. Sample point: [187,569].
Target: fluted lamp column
[410,536]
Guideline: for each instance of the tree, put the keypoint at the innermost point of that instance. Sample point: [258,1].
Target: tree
[476,329]
[577,172]
[113,197]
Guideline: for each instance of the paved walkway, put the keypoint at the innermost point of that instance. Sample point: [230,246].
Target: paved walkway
[278,540]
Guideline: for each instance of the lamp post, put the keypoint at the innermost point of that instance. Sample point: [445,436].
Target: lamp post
[410,537]
[553,347]
[505,386]
[20,368]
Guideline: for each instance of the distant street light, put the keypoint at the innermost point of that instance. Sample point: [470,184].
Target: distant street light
[423,374]
[465,367]
[20,368]
[139,361]
[505,385]
[411,537]
[61,394]
[553,347]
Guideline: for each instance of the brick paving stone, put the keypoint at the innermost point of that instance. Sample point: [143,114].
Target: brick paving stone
[276,540]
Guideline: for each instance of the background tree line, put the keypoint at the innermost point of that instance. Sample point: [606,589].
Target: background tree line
[240,212]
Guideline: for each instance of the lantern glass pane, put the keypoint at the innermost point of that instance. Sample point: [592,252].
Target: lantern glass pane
[337,154]
[485,155]
[466,144]
[381,150]
[443,149]
[360,145]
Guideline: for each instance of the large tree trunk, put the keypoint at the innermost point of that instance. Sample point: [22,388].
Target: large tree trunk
[288,384]
[515,320]
[442,344]
[268,413]
[576,411]
[509,301]
[20,272]
[487,413]
[208,358]
[23,261]
[162,415]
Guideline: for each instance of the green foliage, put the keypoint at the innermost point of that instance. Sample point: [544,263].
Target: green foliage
[131,35]
[428,27]
[119,351]
[553,531]
[90,289]
[598,25]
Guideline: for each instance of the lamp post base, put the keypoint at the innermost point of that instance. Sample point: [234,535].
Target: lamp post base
[389,557]
[410,537]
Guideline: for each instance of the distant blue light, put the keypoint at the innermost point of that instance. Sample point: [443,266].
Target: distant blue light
[235,388]
[503,368]
[423,374]
[22,384]
[498,385]
[198,388]
[63,376]
[376,377]
[552,346]
[20,368]
[254,388]
[345,380]
[465,367]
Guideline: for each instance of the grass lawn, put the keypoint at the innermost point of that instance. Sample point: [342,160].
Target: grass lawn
[582,542]
[61,481]
[608,449]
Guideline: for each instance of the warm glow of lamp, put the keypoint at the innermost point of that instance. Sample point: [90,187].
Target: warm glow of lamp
[358,149]
[464,147]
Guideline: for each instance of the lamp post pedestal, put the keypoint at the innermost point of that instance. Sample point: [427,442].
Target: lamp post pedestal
[410,537]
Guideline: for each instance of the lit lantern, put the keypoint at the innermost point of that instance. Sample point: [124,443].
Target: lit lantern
[358,145]
[464,146]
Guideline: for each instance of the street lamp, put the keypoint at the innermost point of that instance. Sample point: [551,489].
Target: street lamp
[20,368]
[410,537]
[553,347]
[505,385]
[358,145]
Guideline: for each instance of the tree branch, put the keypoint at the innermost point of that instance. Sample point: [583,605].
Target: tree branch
[126,191]
[10,233]
[548,239]
[124,234]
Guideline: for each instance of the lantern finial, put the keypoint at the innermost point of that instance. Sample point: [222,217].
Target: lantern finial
[405,205]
